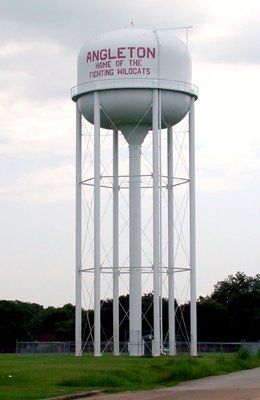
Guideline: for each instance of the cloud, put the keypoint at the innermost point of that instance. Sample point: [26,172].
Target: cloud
[230,34]
[34,137]
[46,186]
[71,22]
[29,129]
[227,166]
[36,71]
[38,53]
[39,49]
[52,20]
[239,46]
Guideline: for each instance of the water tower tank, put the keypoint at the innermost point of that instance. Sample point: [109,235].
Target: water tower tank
[125,66]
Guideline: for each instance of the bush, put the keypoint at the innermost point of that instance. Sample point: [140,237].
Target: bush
[243,353]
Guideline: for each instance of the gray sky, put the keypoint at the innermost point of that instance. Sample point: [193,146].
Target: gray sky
[39,43]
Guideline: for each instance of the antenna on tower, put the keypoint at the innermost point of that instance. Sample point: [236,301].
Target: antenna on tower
[186,28]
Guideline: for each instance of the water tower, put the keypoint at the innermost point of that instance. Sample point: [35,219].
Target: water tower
[132,82]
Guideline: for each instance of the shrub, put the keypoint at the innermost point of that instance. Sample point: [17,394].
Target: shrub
[243,353]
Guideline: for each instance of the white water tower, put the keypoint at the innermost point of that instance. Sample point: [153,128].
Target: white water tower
[133,81]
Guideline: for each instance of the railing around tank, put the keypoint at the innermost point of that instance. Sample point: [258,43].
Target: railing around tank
[134,83]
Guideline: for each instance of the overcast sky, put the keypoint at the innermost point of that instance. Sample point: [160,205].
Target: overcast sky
[39,43]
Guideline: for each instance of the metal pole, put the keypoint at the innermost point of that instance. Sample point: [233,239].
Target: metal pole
[193,299]
[135,306]
[115,246]
[78,339]
[160,216]
[156,227]
[171,306]
[134,136]
[96,225]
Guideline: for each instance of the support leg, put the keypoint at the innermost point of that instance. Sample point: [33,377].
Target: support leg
[78,339]
[97,324]
[115,246]
[171,307]
[156,226]
[193,299]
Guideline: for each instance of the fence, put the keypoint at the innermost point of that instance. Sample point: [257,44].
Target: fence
[45,347]
[107,347]
[253,347]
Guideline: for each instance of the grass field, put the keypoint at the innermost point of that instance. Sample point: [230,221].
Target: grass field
[40,377]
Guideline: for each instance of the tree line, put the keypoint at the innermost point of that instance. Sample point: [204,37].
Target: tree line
[230,313]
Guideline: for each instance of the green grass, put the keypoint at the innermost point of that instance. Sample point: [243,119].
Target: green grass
[39,377]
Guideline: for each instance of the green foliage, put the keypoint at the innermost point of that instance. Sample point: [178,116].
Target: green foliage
[234,286]
[230,313]
[18,321]
[29,322]
[42,377]
[243,353]
[213,320]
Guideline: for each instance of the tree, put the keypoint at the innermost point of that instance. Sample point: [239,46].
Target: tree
[18,321]
[230,313]
[213,321]
[240,296]
[58,323]
[234,285]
